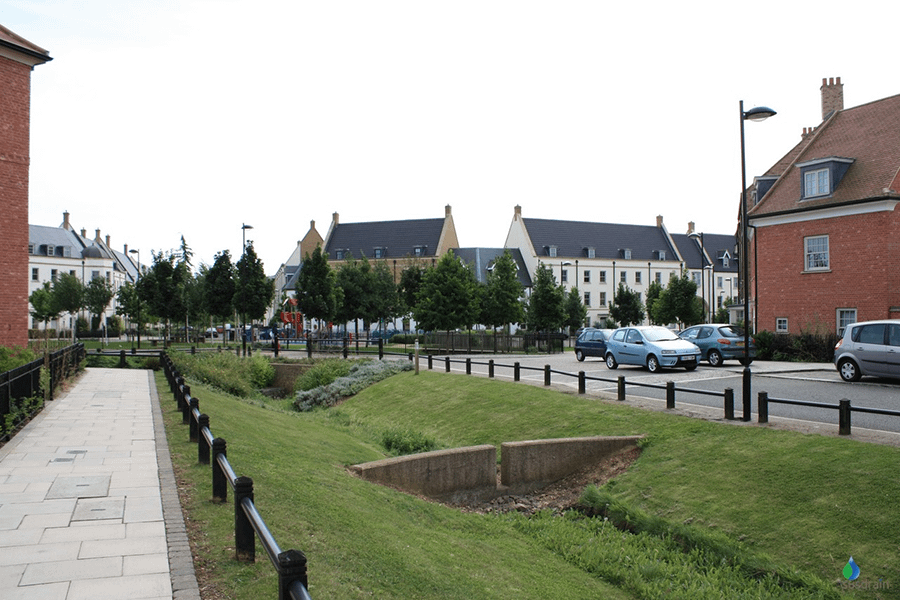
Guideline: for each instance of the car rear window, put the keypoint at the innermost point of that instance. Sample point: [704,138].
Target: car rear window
[870,334]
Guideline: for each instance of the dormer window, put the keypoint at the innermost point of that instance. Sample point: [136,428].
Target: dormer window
[626,253]
[419,251]
[591,252]
[339,255]
[822,176]
[51,250]
[551,251]
[380,252]
[661,254]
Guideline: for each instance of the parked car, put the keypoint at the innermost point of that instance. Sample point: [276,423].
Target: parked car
[869,348]
[718,342]
[650,346]
[591,342]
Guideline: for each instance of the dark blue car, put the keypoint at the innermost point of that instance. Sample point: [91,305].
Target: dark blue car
[591,342]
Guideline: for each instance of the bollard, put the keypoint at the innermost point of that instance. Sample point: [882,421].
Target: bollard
[193,349]
[582,388]
[380,348]
[244,541]
[203,448]
[238,351]
[308,345]
[193,429]
[729,404]
[844,417]
[291,568]
[491,368]
[670,394]
[219,480]
[546,375]
[763,408]
[346,346]
[621,386]
[430,362]
[468,366]
[516,371]
[121,359]
[447,364]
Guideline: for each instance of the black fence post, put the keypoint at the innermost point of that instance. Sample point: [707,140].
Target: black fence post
[380,348]
[621,388]
[308,345]
[468,366]
[729,404]
[244,540]
[430,362]
[202,446]
[546,375]
[670,394]
[447,364]
[346,346]
[516,371]
[193,429]
[763,408]
[844,417]
[491,367]
[291,568]
[582,388]
[219,481]
[121,359]
[185,404]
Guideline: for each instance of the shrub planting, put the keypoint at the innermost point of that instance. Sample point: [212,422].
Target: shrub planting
[362,374]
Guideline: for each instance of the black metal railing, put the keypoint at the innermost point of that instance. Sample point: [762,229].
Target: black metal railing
[21,396]
[248,523]
[843,407]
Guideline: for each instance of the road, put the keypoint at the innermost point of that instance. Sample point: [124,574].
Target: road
[795,381]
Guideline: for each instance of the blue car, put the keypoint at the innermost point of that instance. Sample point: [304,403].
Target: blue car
[591,342]
[652,347]
[719,342]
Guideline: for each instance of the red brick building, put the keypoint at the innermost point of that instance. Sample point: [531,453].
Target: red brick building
[825,223]
[18,57]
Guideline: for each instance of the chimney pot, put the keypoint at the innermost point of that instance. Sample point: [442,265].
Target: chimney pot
[335,218]
[832,97]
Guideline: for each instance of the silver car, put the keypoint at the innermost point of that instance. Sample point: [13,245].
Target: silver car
[652,347]
[869,348]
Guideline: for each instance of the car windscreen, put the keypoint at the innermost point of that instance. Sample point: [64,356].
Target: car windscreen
[659,335]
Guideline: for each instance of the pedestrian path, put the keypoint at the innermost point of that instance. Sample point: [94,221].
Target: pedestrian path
[88,504]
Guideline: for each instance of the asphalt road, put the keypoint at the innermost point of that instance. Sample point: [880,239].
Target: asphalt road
[795,381]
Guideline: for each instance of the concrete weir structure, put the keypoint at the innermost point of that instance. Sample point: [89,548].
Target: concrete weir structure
[470,474]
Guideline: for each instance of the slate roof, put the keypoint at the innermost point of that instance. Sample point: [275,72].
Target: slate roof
[41,237]
[483,258]
[608,239]
[715,244]
[869,134]
[398,238]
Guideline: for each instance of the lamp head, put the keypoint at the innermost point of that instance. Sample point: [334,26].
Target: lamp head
[760,113]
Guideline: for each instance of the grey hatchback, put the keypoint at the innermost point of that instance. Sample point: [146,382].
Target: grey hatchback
[869,348]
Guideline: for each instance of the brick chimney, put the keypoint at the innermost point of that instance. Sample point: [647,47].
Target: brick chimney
[107,241]
[65,224]
[690,227]
[335,218]
[659,220]
[517,214]
[97,235]
[832,96]
[447,211]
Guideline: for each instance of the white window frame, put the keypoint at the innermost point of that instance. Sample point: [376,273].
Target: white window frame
[587,299]
[843,318]
[623,277]
[637,277]
[816,258]
[602,299]
[781,324]
[587,276]
[816,183]
[602,276]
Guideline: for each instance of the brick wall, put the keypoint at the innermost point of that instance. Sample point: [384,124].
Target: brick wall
[864,273]
[15,98]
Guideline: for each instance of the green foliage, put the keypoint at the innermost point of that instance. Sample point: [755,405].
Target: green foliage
[654,290]
[401,441]
[262,373]
[253,291]
[68,293]
[225,371]
[546,305]
[503,293]
[322,373]
[448,297]
[678,302]
[362,374]
[576,312]
[410,282]
[218,292]
[10,358]
[315,290]
[97,296]
[626,308]
[805,347]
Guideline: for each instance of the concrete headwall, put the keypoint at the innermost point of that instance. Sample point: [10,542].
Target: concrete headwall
[466,474]
[457,474]
[535,463]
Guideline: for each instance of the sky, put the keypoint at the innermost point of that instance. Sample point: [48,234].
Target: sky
[168,118]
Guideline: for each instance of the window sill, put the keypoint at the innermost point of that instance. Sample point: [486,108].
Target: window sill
[813,271]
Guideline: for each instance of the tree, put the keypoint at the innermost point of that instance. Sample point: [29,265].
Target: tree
[161,289]
[386,299]
[503,293]
[315,287]
[218,293]
[653,292]
[410,283]
[129,305]
[68,293]
[354,279]
[253,291]
[97,295]
[576,312]
[44,308]
[447,298]
[546,310]
[627,308]
[678,303]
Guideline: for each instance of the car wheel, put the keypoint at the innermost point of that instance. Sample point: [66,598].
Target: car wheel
[611,362]
[715,358]
[652,364]
[849,370]
[579,355]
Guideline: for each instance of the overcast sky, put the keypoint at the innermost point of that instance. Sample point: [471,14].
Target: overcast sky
[162,118]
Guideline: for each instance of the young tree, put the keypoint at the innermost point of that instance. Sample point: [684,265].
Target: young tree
[627,308]
[546,310]
[576,313]
[678,303]
[253,291]
[385,298]
[68,293]
[161,289]
[502,298]
[218,293]
[44,308]
[129,305]
[315,287]
[97,296]
[447,297]
[410,283]
[354,279]
[653,292]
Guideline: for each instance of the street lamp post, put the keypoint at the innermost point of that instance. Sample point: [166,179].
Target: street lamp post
[244,228]
[138,252]
[563,263]
[760,113]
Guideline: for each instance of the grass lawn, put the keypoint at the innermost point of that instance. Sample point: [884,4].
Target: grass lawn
[808,502]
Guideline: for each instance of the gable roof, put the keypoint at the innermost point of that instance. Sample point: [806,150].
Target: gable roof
[572,238]
[30,53]
[714,244]
[41,236]
[398,238]
[482,261]
[869,135]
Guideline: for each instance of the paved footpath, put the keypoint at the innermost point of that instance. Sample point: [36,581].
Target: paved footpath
[88,504]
